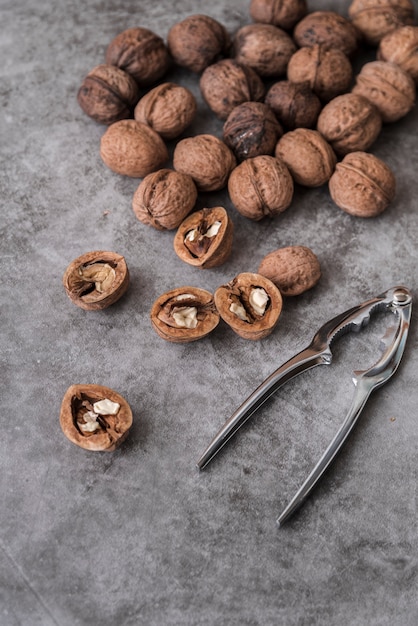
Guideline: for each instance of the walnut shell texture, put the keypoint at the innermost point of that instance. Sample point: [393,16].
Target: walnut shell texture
[251,129]
[207,159]
[293,269]
[329,29]
[309,157]
[376,18]
[265,48]
[401,47]
[294,104]
[282,13]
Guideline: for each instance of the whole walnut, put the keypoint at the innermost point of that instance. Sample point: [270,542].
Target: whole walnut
[282,13]
[388,86]
[327,70]
[375,18]
[251,129]
[362,185]
[349,123]
[260,187]
[227,83]
[198,41]
[168,108]
[329,29]
[108,94]
[401,47]
[309,157]
[141,53]
[264,47]
[132,148]
[294,104]
[293,269]
[207,159]
[164,198]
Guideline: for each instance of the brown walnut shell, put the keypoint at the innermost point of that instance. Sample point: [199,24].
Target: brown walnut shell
[362,185]
[308,156]
[282,13]
[401,47]
[375,18]
[329,29]
[112,430]
[96,280]
[204,238]
[238,293]
[141,53]
[171,307]
[293,269]
[132,148]
[265,48]
[108,94]
[294,104]
[251,129]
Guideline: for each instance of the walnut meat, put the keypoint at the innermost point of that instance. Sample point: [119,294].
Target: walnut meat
[329,29]
[294,104]
[362,185]
[251,129]
[207,159]
[227,83]
[132,148]
[260,187]
[108,94]
[401,47]
[293,269]
[309,157]
[282,13]
[265,48]
[375,18]
[349,123]
[164,198]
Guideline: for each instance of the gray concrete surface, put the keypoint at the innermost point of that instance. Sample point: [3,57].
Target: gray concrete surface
[140,537]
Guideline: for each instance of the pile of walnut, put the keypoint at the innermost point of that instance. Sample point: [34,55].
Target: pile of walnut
[293,112]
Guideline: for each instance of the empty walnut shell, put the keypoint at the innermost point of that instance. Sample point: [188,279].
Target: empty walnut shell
[309,157]
[362,185]
[329,29]
[96,280]
[204,238]
[294,104]
[184,314]
[282,13]
[250,304]
[293,269]
[375,18]
[265,48]
[91,430]
[251,129]
[401,47]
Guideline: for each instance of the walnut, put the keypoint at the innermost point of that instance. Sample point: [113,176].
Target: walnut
[375,18]
[184,314]
[328,71]
[227,83]
[349,123]
[260,187]
[293,269]
[250,304]
[197,42]
[327,28]
[282,13]
[141,53]
[251,129]
[108,94]
[309,157]
[96,280]
[168,108]
[400,46]
[207,159]
[362,185]
[264,47]
[95,417]
[164,198]
[388,87]
[132,148]
[294,104]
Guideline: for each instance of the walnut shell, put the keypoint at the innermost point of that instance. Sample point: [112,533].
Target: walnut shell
[164,198]
[132,148]
[227,83]
[95,280]
[293,269]
[204,238]
[235,303]
[328,71]
[260,187]
[198,41]
[251,129]
[362,185]
[388,87]
[329,29]
[375,18]
[110,430]
[108,94]
[309,157]
[168,108]
[349,123]
[282,13]
[184,314]
[264,47]
[294,104]
[401,47]
[141,53]
[207,159]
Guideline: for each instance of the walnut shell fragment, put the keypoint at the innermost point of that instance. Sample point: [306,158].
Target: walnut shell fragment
[250,304]
[95,417]
[96,280]
[204,238]
[184,314]
[293,269]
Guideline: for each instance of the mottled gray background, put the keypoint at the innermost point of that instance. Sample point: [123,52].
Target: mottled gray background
[140,537]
